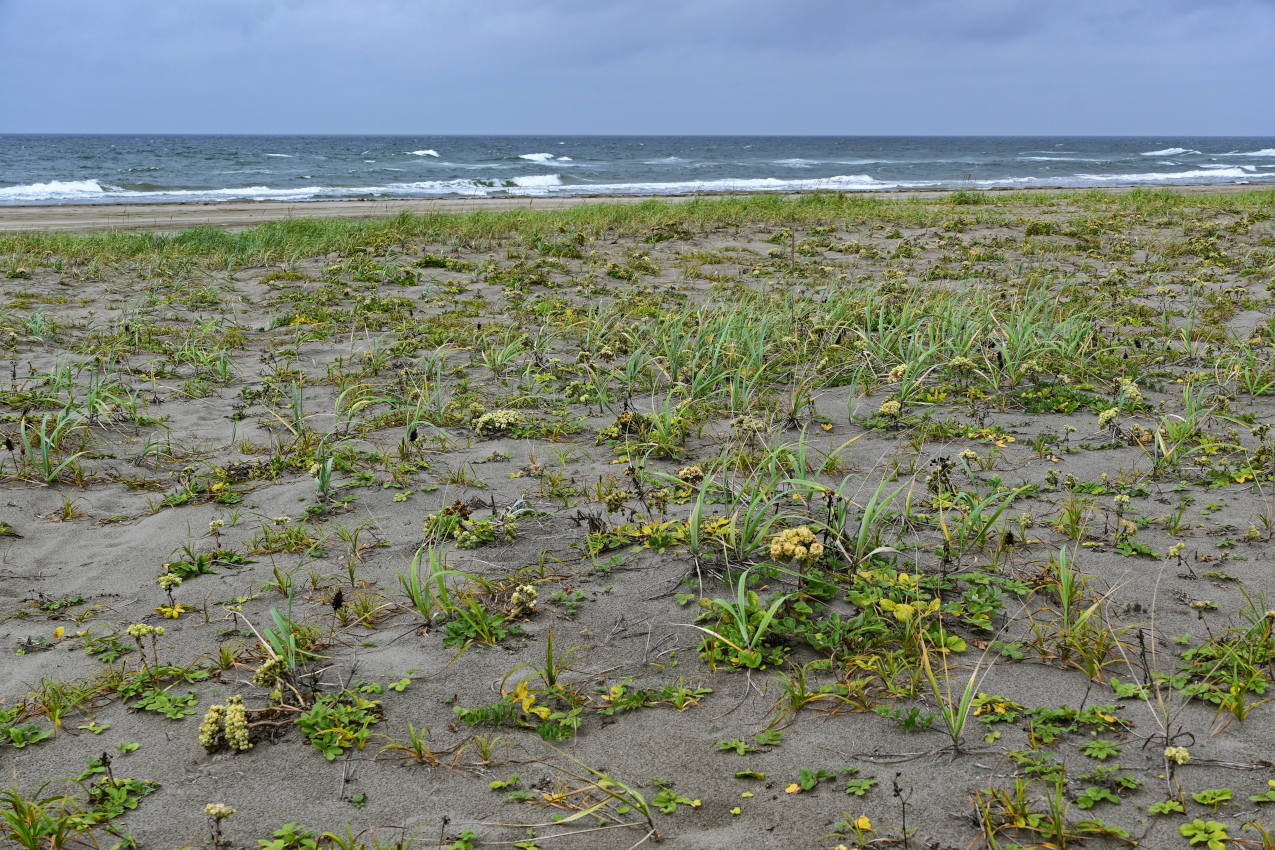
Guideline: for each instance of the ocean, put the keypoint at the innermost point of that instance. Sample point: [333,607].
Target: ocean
[79,169]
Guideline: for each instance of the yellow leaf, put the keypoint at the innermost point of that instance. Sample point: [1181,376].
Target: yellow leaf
[793,789]
[863,823]
[58,632]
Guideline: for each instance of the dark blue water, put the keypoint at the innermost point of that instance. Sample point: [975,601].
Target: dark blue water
[132,169]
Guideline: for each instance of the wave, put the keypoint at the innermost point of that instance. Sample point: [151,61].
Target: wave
[1262,152]
[797,162]
[54,190]
[668,160]
[1060,159]
[538,180]
[551,185]
[1169,152]
[426,152]
[283,155]
[536,157]
[848,182]
[1163,176]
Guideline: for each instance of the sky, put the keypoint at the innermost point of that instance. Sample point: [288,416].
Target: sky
[837,67]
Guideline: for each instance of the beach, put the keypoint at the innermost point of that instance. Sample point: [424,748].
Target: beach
[236,215]
[778,520]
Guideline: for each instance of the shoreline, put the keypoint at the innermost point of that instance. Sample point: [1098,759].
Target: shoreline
[238,215]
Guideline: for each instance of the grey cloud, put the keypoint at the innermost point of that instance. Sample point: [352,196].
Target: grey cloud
[834,66]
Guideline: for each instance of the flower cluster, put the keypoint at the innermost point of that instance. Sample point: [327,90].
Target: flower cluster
[1130,392]
[690,474]
[1107,417]
[498,422]
[137,631]
[796,544]
[523,601]
[237,734]
[1177,755]
[168,581]
[210,728]
[218,811]
[230,720]
[890,407]
[268,673]
[1125,530]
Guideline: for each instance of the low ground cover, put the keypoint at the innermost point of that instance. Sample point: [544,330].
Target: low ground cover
[938,522]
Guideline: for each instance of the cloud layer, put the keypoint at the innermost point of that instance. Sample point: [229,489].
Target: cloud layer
[630,66]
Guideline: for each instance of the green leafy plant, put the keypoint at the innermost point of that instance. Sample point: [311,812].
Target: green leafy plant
[742,625]
[1211,834]
[338,721]
[1213,797]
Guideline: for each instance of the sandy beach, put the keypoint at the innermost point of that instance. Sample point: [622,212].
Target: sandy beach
[935,520]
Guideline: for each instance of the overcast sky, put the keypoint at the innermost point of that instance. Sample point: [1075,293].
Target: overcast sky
[639,66]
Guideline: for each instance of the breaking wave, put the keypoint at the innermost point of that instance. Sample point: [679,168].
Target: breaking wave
[1165,176]
[54,190]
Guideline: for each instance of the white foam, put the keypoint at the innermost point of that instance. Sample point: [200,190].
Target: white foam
[563,158]
[538,181]
[797,162]
[468,188]
[1060,159]
[1169,152]
[249,193]
[426,152]
[54,190]
[850,182]
[1262,152]
[536,157]
[663,161]
[284,155]
[1165,176]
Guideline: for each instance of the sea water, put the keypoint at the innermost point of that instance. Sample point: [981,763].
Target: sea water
[75,169]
